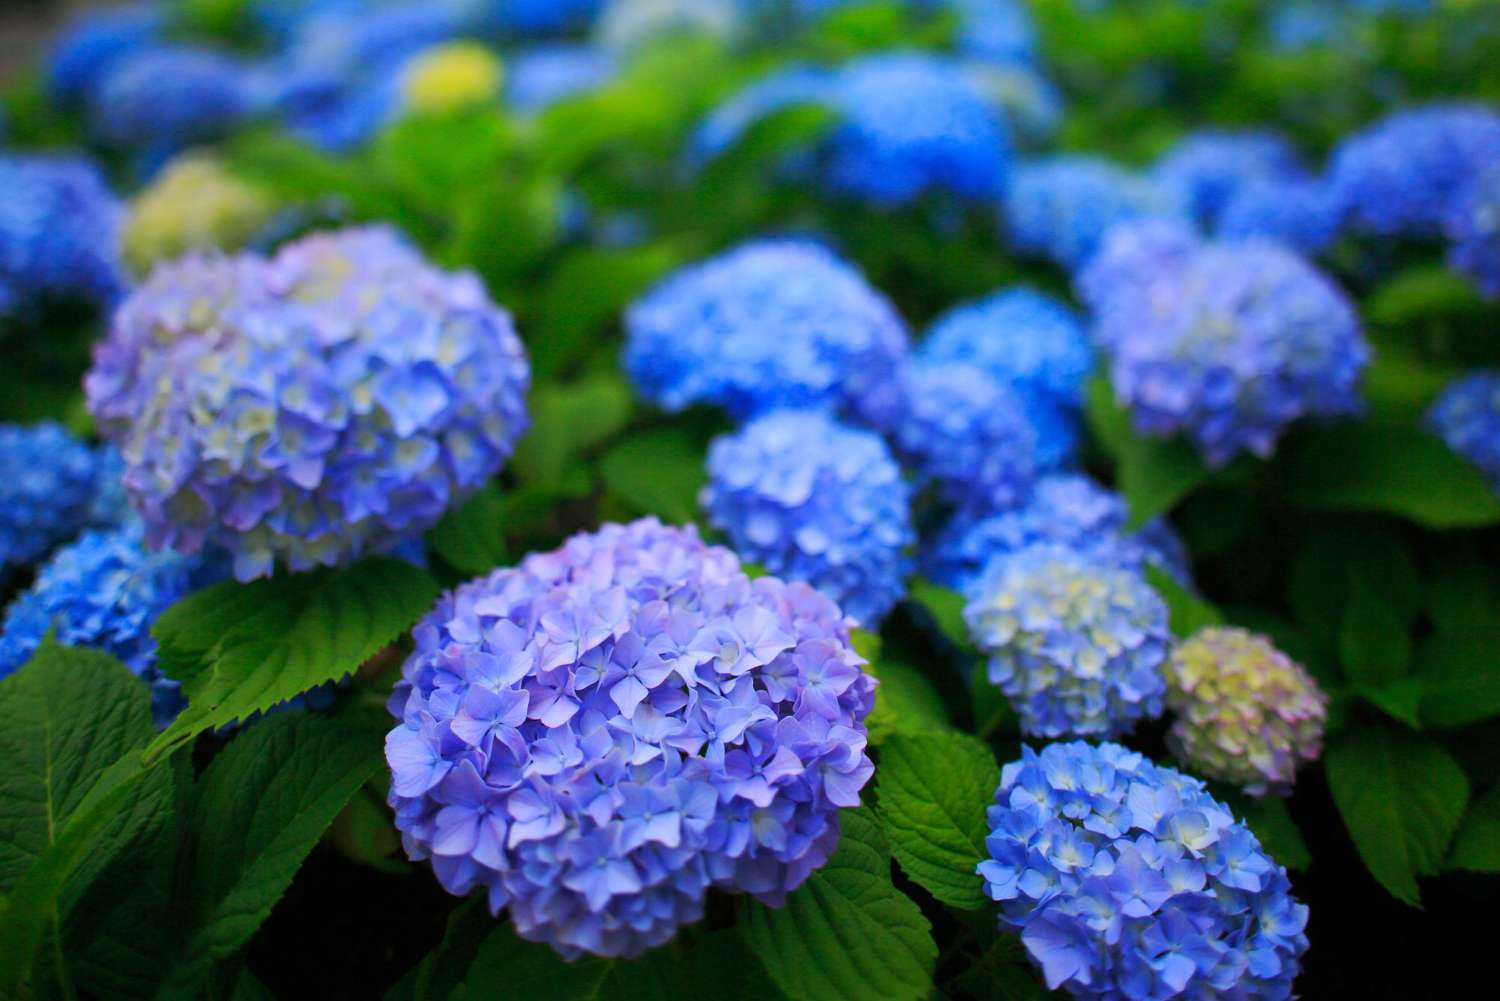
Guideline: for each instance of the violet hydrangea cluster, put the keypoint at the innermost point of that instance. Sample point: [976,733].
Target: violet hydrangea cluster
[1466,415]
[600,735]
[812,500]
[1128,880]
[331,400]
[59,238]
[1245,712]
[1227,342]
[1075,640]
[104,591]
[772,323]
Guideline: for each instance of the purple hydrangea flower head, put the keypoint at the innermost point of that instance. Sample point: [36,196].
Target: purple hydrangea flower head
[1128,880]
[328,401]
[1403,174]
[1230,345]
[769,324]
[1075,640]
[1300,214]
[104,591]
[600,735]
[913,123]
[92,42]
[1246,713]
[538,77]
[46,491]
[167,97]
[1467,417]
[1209,167]
[1064,508]
[1063,206]
[969,433]
[59,233]
[1128,259]
[1473,227]
[811,500]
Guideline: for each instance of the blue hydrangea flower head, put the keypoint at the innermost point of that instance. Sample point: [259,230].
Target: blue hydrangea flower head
[170,96]
[105,591]
[1467,417]
[603,733]
[1129,257]
[1128,880]
[1065,508]
[1063,206]
[540,76]
[1231,346]
[769,324]
[1076,641]
[528,18]
[811,500]
[969,433]
[913,123]
[59,233]
[92,42]
[45,492]
[1300,214]
[328,401]
[1210,166]
[999,31]
[1403,174]
[1473,227]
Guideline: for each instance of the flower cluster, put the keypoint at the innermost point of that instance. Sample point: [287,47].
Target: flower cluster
[450,77]
[330,400]
[1127,879]
[1467,417]
[1230,343]
[1245,712]
[1300,213]
[105,590]
[54,485]
[542,75]
[1473,227]
[168,97]
[93,42]
[1063,206]
[1075,641]
[1211,167]
[811,500]
[599,736]
[1403,174]
[193,204]
[1064,508]
[776,323]
[58,233]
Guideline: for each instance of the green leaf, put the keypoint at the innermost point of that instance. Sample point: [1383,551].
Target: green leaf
[1400,699]
[946,607]
[656,472]
[1476,847]
[566,422]
[241,648]
[1272,825]
[1186,612]
[1003,972]
[1463,593]
[1153,473]
[905,702]
[471,538]
[1429,290]
[1395,468]
[1334,558]
[933,790]
[847,934]
[259,809]
[1459,675]
[442,970]
[1401,796]
[585,293]
[1374,642]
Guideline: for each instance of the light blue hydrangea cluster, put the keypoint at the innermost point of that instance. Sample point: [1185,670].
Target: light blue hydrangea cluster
[1467,417]
[1064,508]
[814,501]
[328,401]
[540,76]
[1228,343]
[1128,261]
[599,736]
[1404,174]
[998,31]
[1473,227]
[105,591]
[91,44]
[164,98]
[45,492]
[1063,206]
[1128,880]
[1301,214]
[1075,640]
[769,324]
[1211,166]
[59,233]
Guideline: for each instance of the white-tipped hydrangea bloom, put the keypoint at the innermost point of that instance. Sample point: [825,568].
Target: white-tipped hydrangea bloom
[769,324]
[1075,641]
[331,400]
[600,735]
[812,500]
